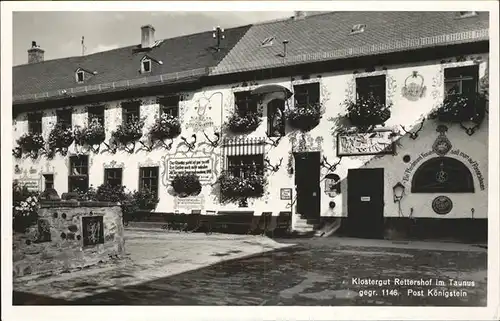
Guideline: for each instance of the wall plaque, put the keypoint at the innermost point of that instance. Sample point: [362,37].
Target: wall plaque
[365,143]
[442,205]
[32,184]
[285,194]
[190,203]
[93,230]
[201,166]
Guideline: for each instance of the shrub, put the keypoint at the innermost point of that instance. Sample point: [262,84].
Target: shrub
[25,206]
[186,184]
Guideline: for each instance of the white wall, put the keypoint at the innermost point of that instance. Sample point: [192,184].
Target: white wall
[216,104]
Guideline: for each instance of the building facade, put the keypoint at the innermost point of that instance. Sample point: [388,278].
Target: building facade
[341,120]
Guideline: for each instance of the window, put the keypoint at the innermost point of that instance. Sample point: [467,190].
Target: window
[130,110]
[113,176]
[169,105]
[148,179]
[461,80]
[35,123]
[306,95]
[96,112]
[467,14]
[78,179]
[49,181]
[275,118]
[268,42]
[442,175]
[244,165]
[245,102]
[80,76]
[371,86]
[64,117]
[359,28]
[146,65]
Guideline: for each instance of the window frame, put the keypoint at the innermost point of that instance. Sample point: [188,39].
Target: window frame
[62,120]
[91,114]
[143,68]
[130,108]
[47,181]
[74,176]
[119,177]
[169,103]
[365,85]
[461,78]
[142,178]
[244,102]
[272,110]
[242,165]
[35,123]
[77,76]
[307,97]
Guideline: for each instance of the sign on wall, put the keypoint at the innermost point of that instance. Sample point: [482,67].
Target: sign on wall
[365,143]
[286,194]
[201,166]
[32,184]
[189,203]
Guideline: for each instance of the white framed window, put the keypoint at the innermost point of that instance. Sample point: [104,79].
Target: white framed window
[146,65]
[80,76]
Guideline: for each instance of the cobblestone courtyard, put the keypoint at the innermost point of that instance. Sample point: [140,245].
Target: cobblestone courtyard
[316,271]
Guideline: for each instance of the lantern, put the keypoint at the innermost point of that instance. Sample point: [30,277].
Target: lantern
[398,190]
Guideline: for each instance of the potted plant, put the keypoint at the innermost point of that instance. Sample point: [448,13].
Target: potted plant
[233,189]
[129,133]
[304,117]
[91,136]
[186,184]
[367,112]
[165,127]
[243,122]
[457,108]
[31,143]
[60,138]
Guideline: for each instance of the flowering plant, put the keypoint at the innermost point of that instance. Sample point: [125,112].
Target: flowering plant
[367,111]
[31,143]
[165,127]
[304,117]
[25,207]
[235,188]
[92,135]
[130,132]
[243,122]
[60,138]
[186,184]
[460,107]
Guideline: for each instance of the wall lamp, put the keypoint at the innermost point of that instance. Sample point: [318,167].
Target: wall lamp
[399,191]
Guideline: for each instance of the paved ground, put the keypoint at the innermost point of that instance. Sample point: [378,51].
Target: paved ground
[317,271]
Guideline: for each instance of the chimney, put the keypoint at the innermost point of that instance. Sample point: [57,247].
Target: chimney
[297,15]
[35,53]
[147,36]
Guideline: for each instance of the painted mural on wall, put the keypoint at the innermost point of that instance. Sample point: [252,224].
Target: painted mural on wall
[380,142]
[93,230]
[414,87]
[28,177]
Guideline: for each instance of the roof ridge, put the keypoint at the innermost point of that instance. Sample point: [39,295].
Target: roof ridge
[291,18]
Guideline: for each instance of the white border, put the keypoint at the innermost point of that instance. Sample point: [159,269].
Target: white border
[491,312]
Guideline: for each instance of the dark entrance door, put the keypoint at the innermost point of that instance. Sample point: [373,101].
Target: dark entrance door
[365,202]
[307,172]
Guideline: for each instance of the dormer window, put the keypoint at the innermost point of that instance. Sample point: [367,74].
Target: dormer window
[359,28]
[80,76]
[146,65]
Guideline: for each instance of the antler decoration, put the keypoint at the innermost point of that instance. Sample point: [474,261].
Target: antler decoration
[414,135]
[270,167]
[213,143]
[190,145]
[111,147]
[148,147]
[469,130]
[274,140]
[330,167]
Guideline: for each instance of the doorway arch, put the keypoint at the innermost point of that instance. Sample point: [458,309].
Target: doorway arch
[442,175]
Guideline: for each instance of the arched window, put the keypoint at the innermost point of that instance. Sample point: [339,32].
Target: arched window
[442,175]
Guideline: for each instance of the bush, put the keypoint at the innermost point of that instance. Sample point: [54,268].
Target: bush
[186,184]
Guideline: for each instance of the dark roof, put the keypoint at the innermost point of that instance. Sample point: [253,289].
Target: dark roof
[182,57]
[327,37]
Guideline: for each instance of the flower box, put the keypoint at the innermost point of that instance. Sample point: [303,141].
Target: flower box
[31,143]
[128,133]
[93,135]
[186,185]
[243,122]
[60,138]
[304,117]
[233,189]
[458,108]
[165,127]
[367,112]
